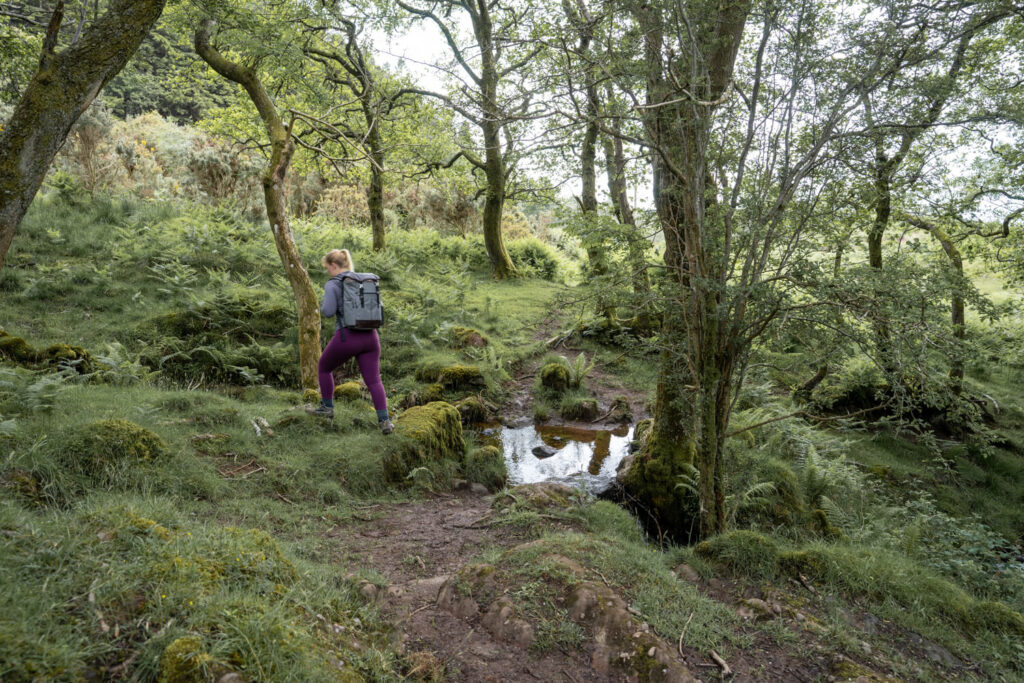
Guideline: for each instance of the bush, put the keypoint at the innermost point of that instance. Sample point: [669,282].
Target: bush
[534,257]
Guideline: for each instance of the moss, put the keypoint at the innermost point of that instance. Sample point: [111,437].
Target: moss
[555,377]
[429,432]
[651,478]
[310,396]
[545,495]
[806,562]
[463,337]
[620,410]
[348,391]
[844,669]
[455,376]
[110,444]
[26,486]
[461,377]
[746,552]
[641,432]
[486,465]
[578,408]
[472,410]
[423,396]
[16,349]
[183,661]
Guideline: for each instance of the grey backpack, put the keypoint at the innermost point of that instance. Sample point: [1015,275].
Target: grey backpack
[360,307]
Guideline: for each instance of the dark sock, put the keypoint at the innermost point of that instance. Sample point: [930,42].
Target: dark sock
[382,415]
[328,402]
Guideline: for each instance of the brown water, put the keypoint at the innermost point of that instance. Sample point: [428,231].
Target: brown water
[581,456]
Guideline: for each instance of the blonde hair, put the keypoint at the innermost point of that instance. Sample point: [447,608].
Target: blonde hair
[340,258]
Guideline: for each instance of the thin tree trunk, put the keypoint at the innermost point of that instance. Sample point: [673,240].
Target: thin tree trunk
[615,166]
[62,88]
[273,179]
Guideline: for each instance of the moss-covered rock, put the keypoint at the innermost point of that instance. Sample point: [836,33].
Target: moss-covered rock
[995,616]
[25,485]
[456,376]
[348,391]
[545,495]
[554,377]
[640,434]
[805,562]
[620,410]
[746,552]
[823,525]
[310,396]
[573,408]
[463,337]
[184,661]
[472,410]
[111,445]
[17,350]
[486,465]
[429,432]
[423,396]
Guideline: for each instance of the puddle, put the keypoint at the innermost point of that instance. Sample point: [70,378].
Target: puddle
[569,455]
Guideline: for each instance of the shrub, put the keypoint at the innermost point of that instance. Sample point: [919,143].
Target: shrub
[535,257]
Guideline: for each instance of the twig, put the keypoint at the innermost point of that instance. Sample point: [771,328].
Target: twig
[284,499]
[726,671]
[683,634]
[806,584]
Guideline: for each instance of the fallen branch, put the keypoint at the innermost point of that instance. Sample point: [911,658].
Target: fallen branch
[683,634]
[726,671]
[284,499]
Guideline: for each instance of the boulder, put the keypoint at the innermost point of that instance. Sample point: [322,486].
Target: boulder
[430,432]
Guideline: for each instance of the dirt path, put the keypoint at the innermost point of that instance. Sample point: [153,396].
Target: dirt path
[418,546]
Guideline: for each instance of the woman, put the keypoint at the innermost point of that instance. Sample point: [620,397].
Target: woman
[346,343]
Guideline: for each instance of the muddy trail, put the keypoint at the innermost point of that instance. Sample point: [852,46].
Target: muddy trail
[429,550]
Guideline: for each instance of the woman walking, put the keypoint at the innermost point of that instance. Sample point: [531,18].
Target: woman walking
[346,343]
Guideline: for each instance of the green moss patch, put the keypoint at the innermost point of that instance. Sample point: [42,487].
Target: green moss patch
[463,337]
[472,410]
[16,350]
[574,408]
[100,448]
[554,377]
[348,391]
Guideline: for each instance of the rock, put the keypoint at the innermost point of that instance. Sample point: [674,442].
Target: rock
[503,624]
[488,432]
[430,432]
[449,599]
[479,489]
[544,451]
[753,608]
[232,678]
[544,495]
[688,574]
[555,377]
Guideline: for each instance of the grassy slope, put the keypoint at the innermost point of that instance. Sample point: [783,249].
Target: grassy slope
[309,477]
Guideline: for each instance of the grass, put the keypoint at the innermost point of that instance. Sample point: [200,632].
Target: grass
[224,530]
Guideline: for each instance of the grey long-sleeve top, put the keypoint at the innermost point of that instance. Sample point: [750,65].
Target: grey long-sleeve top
[332,300]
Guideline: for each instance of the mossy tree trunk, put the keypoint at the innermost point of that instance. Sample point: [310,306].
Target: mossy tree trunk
[695,380]
[273,179]
[63,87]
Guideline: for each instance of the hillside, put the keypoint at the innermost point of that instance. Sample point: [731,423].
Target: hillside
[169,512]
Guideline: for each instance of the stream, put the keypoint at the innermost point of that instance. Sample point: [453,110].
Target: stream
[568,455]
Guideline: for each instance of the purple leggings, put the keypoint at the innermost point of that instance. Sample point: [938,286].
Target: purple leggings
[365,346]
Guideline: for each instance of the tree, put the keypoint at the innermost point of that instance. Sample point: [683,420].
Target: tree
[494,29]
[273,178]
[63,87]
[741,152]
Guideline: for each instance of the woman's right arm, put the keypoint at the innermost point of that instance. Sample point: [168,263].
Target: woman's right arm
[329,306]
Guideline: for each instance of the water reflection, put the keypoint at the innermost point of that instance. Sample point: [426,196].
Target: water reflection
[589,456]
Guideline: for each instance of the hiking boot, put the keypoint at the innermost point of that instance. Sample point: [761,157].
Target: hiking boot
[322,411]
[386,426]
